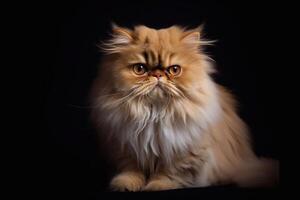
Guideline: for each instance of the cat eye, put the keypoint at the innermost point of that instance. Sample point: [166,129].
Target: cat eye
[174,70]
[139,69]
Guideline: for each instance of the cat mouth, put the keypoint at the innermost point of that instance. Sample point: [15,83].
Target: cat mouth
[158,85]
[158,89]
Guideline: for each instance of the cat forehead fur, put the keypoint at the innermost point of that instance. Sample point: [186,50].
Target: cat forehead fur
[160,38]
[172,40]
[166,38]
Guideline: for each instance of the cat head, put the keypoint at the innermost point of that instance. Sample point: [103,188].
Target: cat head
[155,63]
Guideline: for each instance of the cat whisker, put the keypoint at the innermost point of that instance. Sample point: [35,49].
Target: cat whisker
[132,91]
[180,91]
[173,89]
[142,89]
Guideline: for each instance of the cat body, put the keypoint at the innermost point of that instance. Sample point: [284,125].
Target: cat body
[165,123]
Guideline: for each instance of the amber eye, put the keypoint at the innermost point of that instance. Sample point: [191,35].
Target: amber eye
[139,69]
[174,70]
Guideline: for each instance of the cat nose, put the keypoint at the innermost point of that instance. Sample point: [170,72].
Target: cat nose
[156,73]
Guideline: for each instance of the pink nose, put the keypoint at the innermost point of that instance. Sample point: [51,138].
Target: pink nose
[156,73]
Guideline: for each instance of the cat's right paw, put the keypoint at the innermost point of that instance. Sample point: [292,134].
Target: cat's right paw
[128,181]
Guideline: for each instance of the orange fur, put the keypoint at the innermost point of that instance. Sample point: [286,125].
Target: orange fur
[180,131]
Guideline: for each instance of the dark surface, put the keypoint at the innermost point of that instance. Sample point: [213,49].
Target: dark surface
[245,55]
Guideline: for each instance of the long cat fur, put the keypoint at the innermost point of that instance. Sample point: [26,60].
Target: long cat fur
[188,135]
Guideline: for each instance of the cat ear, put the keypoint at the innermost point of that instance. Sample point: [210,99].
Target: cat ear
[192,36]
[121,35]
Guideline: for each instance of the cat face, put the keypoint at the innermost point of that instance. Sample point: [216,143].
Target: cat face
[156,63]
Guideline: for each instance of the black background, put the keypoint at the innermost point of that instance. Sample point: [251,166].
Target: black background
[246,59]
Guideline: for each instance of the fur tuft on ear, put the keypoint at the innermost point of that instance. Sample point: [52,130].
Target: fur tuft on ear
[120,37]
[191,36]
[195,38]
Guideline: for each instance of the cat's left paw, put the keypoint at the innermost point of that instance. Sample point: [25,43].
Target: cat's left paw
[161,184]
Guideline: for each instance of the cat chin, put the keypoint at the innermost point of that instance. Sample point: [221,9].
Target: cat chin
[157,93]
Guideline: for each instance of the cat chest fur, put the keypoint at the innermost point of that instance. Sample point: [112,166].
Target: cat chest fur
[159,137]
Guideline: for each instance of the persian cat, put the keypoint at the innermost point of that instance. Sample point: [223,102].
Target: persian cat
[164,122]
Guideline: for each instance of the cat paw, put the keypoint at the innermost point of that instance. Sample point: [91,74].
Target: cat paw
[160,184]
[128,181]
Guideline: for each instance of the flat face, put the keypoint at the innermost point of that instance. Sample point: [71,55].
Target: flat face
[161,63]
